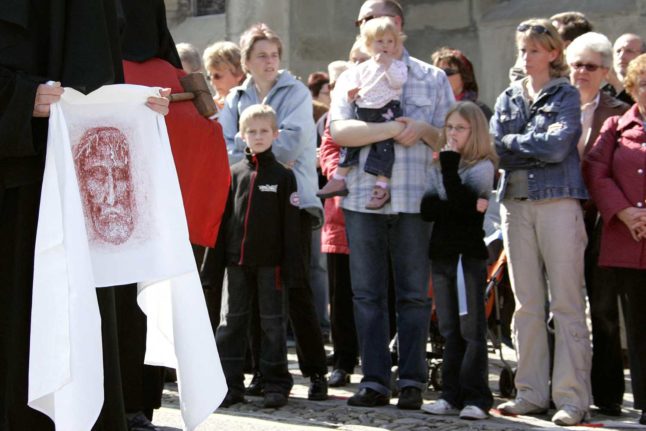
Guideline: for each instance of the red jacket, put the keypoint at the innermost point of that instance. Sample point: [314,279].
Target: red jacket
[615,173]
[333,239]
[198,149]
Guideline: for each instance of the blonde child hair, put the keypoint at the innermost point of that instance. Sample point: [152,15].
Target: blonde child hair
[377,27]
[257,112]
[543,33]
[479,146]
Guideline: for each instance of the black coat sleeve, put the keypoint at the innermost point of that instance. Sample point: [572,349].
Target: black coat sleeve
[461,200]
[17,95]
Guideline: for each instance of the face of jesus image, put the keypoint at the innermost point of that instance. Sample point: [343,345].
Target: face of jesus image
[102,159]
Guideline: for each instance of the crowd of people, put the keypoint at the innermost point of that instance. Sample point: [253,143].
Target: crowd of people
[352,192]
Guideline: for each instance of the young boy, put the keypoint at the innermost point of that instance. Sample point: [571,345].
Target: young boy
[261,242]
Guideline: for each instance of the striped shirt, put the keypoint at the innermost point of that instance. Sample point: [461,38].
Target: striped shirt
[427,96]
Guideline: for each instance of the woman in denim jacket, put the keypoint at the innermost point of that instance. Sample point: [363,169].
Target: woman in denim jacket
[536,126]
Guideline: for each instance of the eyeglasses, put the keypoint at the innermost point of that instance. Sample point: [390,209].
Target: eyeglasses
[457,129]
[536,28]
[589,67]
[365,19]
[449,71]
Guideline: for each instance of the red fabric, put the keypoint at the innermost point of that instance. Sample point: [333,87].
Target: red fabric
[198,149]
[333,239]
[615,173]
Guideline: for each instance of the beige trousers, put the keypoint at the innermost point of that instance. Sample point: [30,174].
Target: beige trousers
[545,243]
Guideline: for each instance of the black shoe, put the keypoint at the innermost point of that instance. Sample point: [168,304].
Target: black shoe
[274,400]
[232,398]
[367,397]
[410,398]
[338,378]
[318,388]
[255,388]
[139,422]
[642,418]
[610,409]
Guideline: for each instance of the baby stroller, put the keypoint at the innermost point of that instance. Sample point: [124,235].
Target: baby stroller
[499,306]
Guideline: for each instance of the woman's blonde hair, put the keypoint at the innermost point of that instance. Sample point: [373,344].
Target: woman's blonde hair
[479,145]
[377,27]
[543,33]
[253,34]
[636,67]
[223,54]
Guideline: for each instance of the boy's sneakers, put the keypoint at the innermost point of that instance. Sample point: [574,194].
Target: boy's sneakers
[334,187]
[440,407]
[473,413]
[568,416]
[379,197]
[520,406]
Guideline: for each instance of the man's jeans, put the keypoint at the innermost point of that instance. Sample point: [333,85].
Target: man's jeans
[465,376]
[373,240]
[232,336]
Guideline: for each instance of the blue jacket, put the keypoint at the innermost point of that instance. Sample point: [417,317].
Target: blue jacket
[523,142]
[296,142]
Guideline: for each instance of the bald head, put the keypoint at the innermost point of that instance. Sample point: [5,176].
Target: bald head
[377,8]
[627,46]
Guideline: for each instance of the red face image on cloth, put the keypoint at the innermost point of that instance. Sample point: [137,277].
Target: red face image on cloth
[102,159]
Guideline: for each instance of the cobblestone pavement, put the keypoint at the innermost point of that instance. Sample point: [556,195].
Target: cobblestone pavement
[335,414]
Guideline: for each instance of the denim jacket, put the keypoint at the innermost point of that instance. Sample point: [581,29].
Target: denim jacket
[523,141]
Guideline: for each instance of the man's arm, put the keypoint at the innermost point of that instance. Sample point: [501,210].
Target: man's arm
[415,130]
[356,133]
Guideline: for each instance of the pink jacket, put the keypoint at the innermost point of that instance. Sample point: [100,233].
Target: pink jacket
[333,239]
[615,173]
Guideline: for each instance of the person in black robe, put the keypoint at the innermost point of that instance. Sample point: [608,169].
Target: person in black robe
[76,43]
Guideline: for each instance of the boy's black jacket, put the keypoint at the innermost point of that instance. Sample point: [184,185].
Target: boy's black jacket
[458,225]
[262,219]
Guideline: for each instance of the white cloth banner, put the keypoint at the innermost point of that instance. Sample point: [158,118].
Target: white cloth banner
[111,213]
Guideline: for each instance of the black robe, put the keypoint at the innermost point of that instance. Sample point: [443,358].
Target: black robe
[75,42]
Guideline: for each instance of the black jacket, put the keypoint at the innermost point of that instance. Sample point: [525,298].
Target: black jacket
[458,225]
[262,219]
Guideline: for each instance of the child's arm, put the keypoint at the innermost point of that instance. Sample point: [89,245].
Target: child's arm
[396,74]
[464,201]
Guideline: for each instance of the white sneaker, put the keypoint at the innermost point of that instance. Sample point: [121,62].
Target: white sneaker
[440,407]
[473,413]
[568,416]
[520,406]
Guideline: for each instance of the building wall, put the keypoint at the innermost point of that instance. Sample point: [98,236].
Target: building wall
[316,32]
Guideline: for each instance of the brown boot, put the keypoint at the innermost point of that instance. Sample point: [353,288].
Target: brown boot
[378,198]
[334,187]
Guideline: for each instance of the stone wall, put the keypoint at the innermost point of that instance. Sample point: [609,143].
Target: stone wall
[315,32]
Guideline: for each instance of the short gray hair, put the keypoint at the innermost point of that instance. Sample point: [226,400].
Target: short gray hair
[190,55]
[591,41]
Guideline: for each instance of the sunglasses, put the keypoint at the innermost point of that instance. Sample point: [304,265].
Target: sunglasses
[365,19]
[449,71]
[536,28]
[589,67]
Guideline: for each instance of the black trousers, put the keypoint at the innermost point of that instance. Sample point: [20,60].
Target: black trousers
[18,221]
[607,376]
[631,285]
[302,314]
[344,332]
[142,384]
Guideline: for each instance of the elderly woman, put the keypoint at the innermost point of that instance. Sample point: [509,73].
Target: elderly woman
[536,126]
[614,172]
[590,58]
[459,70]
[222,64]
[295,146]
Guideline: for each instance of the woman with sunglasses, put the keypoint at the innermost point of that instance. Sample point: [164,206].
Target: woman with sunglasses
[459,71]
[590,58]
[536,126]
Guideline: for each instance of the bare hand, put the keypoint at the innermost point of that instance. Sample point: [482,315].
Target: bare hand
[635,221]
[353,94]
[160,104]
[482,205]
[384,59]
[412,133]
[46,94]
